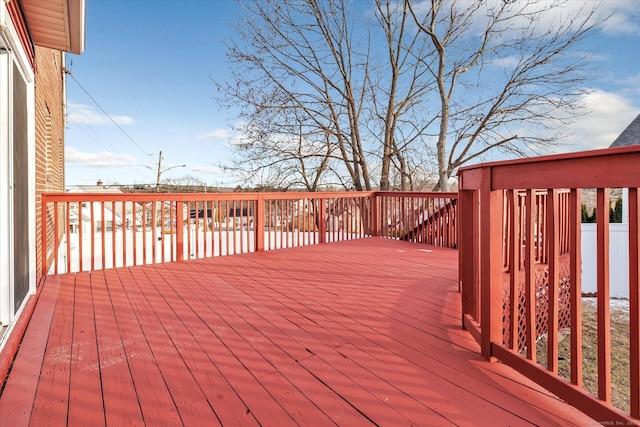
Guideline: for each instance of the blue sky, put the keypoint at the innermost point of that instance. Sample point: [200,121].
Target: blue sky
[151,65]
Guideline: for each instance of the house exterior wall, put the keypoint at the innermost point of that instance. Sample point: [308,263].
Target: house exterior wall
[49,135]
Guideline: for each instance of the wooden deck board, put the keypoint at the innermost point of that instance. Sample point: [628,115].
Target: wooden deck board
[361,332]
[121,405]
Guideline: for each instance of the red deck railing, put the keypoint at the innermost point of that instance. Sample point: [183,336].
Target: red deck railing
[98,231]
[527,213]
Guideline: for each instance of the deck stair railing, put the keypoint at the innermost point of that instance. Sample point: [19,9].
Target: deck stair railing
[428,218]
[95,231]
[527,213]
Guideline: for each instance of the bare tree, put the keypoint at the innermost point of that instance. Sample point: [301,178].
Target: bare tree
[507,74]
[308,71]
[331,94]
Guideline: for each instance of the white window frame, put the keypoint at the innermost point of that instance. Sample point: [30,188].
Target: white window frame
[14,54]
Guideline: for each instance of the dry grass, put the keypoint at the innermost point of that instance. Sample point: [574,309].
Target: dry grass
[619,351]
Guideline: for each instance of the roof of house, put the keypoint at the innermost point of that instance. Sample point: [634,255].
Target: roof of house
[93,189]
[57,24]
[629,136]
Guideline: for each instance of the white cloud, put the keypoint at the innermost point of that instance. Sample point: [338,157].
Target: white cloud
[86,114]
[611,16]
[608,114]
[508,62]
[624,16]
[215,134]
[99,159]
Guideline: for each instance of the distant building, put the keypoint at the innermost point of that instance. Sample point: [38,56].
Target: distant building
[629,136]
[86,213]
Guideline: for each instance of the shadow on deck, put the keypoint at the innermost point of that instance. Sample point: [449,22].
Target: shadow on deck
[362,332]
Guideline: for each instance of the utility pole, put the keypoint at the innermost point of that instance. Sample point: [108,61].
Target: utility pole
[159,171]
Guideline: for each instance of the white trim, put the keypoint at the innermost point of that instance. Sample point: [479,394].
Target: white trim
[5,207]
[31,203]
[17,55]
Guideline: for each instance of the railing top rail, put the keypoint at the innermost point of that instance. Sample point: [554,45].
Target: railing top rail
[611,167]
[436,194]
[151,197]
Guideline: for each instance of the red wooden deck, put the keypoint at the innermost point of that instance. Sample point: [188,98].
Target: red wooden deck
[362,332]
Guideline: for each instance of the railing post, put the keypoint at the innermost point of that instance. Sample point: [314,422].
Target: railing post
[634,302]
[322,222]
[43,242]
[375,216]
[491,232]
[467,252]
[603,292]
[179,231]
[259,223]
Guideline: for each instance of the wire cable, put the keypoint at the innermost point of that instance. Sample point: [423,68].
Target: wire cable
[68,72]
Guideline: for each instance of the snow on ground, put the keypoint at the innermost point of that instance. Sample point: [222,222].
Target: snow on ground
[154,246]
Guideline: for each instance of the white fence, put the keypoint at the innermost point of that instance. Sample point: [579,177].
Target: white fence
[618,259]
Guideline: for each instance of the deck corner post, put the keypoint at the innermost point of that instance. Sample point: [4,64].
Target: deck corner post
[491,232]
[259,223]
[467,253]
[180,230]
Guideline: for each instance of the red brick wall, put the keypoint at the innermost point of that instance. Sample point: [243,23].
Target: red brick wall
[49,133]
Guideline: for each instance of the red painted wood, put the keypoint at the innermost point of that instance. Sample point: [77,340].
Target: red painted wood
[360,330]
[124,233]
[16,408]
[180,231]
[603,414]
[529,281]
[118,390]
[102,234]
[80,239]
[553,242]
[113,240]
[634,301]
[156,403]
[491,233]
[514,270]
[467,259]
[85,398]
[51,402]
[575,274]
[43,237]
[92,249]
[611,167]
[602,274]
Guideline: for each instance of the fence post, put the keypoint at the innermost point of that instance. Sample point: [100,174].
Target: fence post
[179,231]
[491,232]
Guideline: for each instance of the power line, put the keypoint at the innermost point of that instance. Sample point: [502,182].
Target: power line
[98,139]
[105,113]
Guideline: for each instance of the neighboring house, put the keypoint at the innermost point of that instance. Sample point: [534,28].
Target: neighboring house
[629,136]
[618,235]
[81,216]
[34,34]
